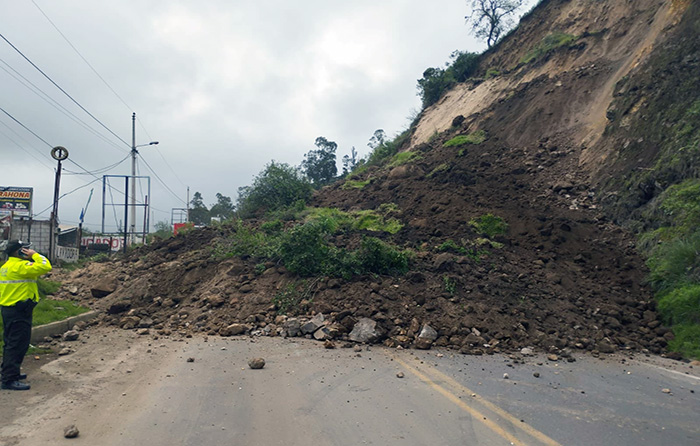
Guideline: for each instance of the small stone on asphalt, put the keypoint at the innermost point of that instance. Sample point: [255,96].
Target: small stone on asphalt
[256,363]
[71,431]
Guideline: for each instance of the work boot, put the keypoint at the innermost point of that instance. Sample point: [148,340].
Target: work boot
[16,385]
[22,377]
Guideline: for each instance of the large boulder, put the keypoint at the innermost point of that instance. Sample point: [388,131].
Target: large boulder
[234,330]
[314,324]
[366,330]
[104,287]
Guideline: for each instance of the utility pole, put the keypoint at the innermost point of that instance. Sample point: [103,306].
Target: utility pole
[134,152]
[59,154]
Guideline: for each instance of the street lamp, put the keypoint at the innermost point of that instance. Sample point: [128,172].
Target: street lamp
[134,152]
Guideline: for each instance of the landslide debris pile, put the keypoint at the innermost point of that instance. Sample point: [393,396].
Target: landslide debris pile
[557,283]
[523,146]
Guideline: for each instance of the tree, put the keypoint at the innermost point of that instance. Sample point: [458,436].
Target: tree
[319,164]
[490,19]
[377,139]
[199,214]
[434,83]
[277,186]
[350,161]
[223,208]
[163,230]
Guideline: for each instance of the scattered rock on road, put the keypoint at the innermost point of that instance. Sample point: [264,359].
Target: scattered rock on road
[400,375]
[190,359]
[256,363]
[71,335]
[71,431]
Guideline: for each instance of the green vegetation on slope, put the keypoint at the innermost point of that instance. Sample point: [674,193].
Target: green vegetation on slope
[551,42]
[307,247]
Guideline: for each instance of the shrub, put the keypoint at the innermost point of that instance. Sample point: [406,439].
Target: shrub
[384,151]
[304,249]
[489,225]
[246,241]
[436,81]
[277,186]
[675,263]
[375,256]
[681,305]
[687,340]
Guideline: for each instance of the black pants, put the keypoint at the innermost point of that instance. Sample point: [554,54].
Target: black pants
[17,321]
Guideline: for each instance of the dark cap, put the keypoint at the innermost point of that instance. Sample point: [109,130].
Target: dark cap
[15,245]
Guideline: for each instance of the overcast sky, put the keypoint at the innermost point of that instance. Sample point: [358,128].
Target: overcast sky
[224,86]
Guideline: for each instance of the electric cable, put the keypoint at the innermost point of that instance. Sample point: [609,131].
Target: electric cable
[99,171]
[25,127]
[66,194]
[161,181]
[62,90]
[22,148]
[81,56]
[55,104]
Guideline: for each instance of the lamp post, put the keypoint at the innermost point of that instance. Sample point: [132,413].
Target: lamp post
[134,152]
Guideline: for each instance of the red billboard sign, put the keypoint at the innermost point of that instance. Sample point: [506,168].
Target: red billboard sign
[16,201]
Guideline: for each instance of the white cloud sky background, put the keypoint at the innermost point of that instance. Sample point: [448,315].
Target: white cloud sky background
[224,86]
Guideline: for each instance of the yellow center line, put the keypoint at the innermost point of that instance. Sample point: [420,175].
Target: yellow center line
[474,412]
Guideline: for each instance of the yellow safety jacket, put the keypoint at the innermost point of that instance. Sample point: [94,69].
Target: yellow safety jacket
[18,279]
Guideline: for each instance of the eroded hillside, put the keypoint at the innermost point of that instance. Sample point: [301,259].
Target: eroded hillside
[526,146]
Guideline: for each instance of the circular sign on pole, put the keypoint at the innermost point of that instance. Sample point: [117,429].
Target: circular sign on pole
[59,153]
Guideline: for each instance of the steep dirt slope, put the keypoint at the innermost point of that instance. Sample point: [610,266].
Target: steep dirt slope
[563,276]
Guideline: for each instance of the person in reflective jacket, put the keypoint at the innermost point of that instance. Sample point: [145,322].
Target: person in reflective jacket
[19,295]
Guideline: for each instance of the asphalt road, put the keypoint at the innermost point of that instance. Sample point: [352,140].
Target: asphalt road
[307,395]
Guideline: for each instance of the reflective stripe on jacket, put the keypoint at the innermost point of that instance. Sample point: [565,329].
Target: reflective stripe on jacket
[18,279]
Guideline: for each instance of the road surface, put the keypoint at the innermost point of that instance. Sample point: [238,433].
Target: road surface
[122,389]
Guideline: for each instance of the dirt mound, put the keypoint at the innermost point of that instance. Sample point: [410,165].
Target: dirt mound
[561,277]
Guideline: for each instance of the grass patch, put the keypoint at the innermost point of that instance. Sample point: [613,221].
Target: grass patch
[442,168]
[355,184]
[549,43]
[450,246]
[476,138]
[491,73]
[49,310]
[489,225]
[404,158]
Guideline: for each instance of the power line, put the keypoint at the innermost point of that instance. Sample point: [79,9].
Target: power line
[22,148]
[24,126]
[99,171]
[55,104]
[161,181]
[66,194]
[81,56]
[62,90]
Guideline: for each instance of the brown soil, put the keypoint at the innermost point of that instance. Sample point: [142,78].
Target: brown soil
[565,277]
